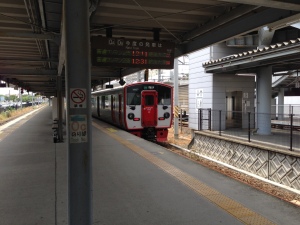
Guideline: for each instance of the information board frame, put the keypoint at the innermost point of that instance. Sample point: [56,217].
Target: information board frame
[121,52]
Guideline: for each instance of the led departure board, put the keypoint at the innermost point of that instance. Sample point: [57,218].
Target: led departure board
[120,52]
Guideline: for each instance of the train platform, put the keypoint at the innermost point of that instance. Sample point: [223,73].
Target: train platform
[135,182]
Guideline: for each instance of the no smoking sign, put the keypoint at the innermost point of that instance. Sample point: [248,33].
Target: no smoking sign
[78,98]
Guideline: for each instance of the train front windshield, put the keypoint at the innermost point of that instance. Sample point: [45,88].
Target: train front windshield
[134,94]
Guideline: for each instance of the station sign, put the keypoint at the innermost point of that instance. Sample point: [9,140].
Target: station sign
[78,129]
[120,52]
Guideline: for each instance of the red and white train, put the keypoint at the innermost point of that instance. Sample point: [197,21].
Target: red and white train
[144,109]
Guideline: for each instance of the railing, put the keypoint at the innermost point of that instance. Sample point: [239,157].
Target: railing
[280,130]
[6,107]
[279,110]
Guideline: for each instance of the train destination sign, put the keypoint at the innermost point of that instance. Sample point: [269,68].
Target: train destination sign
[122,52]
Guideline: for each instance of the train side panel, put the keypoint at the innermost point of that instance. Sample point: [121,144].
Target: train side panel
[94,105]
[107,105]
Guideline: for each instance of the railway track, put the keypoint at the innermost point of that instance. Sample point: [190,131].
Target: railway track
[183,124]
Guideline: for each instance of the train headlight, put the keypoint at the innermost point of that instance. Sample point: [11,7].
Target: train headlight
[130,116]
[167,115]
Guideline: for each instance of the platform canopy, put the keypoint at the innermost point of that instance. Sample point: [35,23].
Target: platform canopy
[32,48]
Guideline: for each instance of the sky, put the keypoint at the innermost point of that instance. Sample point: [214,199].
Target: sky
[7,91]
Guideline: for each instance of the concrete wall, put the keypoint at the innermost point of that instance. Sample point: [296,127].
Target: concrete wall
[199,81]
[54,108]
[279,166]
[227,85]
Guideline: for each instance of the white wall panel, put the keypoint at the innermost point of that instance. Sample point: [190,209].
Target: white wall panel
[214,86]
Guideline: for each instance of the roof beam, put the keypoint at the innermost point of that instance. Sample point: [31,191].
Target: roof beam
[113,74]
[237,27]
[62,50]
[92,7]
[29,35]
[268,3]
[53,85]
[28,59]
[28,72]
[218,22]
[39,81]
[288,21]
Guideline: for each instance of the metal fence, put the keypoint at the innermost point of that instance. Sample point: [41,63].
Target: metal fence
[280,110]
[277,130]
[4,108]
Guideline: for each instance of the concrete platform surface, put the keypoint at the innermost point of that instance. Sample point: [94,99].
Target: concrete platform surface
[134,182]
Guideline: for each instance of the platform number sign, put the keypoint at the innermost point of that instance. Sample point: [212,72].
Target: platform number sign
[78,98]
[78,129]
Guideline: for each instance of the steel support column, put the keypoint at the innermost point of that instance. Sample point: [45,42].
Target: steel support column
[60,108]
[159,76]
[281,104]
[78,83]
[176,96]
[264,88]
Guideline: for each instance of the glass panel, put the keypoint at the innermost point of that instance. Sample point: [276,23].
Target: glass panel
[134,95]
[149,100]
[164,95]
[103,102]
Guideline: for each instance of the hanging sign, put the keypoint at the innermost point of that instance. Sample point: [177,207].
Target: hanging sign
[77,98]
[78,129]
[120,52]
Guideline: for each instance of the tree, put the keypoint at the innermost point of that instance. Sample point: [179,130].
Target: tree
[26,98]
[11,98]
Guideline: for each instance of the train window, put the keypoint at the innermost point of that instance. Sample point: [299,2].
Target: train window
[134,99]
[134,95]
[107,101]
[113,101]
[149,100]
[93,102]
[103,102]
[164,95]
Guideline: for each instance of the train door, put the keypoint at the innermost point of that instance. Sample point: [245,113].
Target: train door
[120,110]
[113,107]
[149,108]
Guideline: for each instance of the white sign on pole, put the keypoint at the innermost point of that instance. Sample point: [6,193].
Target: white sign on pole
[77,98]
[78,129]
[199,93]
[198,103]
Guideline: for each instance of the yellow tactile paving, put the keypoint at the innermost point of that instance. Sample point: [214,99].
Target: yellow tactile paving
[232,207]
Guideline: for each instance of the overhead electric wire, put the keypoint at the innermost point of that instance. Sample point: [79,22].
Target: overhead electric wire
[157,17]
[156,20]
